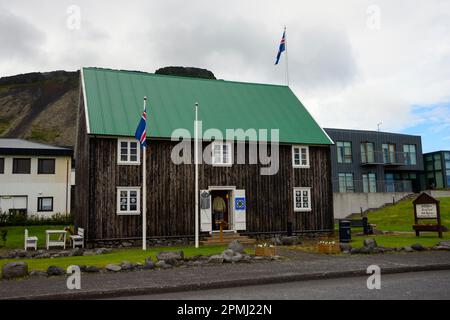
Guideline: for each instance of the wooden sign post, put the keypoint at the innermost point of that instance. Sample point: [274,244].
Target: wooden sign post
[427,207]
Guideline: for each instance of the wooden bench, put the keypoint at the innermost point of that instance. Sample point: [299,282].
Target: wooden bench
[30,242]
[78,239]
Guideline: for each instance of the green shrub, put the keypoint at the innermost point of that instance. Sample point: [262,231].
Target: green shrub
[19,218]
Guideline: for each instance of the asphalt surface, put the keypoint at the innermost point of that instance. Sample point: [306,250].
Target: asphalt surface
[404,286]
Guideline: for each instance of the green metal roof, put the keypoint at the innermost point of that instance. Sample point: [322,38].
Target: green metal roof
[115,99]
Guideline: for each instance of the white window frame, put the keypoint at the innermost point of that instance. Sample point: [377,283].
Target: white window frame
[302,209]
[299,148]
[128,211]
[128,161]
[230,158]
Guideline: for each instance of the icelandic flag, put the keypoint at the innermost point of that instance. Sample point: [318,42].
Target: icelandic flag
[141,131]
[282,47]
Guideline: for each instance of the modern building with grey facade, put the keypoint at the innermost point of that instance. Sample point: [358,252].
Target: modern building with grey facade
[372,161]
[437,169]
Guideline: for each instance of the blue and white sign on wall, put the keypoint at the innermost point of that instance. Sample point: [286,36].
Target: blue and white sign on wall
[239,204]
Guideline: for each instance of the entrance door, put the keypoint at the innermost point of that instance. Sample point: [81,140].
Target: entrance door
[221,208]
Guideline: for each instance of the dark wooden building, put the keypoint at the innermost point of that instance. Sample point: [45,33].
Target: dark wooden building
[296,194]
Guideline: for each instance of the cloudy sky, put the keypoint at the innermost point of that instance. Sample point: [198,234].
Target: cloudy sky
[353,63]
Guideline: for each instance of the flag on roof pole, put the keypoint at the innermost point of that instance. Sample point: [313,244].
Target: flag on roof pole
[282,47]
[141,131]
[141,136]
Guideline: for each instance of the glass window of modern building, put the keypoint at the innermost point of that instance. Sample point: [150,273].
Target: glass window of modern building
[344,151]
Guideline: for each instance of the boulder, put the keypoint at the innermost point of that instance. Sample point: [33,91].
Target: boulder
[103,251]
[149,264]
[218,258]
[89,253]
[408,249]
[14,270]
[113,267]
[76,252]
[289,241]
[163,265]
[276,241]
[237,257]
[370,243]
[22,254]
[38,273]
[345,247]
[444,243]
[441,248]
[126,265]
[236,246]
[91,269]
[417,247]
[366,250]
[355,250]
[44,255]
[167,255]
[55,271]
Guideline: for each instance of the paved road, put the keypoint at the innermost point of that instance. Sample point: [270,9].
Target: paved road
[418,285]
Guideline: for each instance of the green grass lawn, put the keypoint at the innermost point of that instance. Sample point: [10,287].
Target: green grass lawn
[132,255]
[16,235]
[400,217]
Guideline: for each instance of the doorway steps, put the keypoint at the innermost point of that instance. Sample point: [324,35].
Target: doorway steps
[214,239]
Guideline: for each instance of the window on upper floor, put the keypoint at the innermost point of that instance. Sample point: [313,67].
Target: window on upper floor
[2,165]
[344,151]
[367,152]
[221,154]
[300,156]
[409,151]
[21,166]
[388,152]
[302,199]
[128,151]
[46,166]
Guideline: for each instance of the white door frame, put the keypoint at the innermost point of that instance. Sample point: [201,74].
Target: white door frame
[231,206]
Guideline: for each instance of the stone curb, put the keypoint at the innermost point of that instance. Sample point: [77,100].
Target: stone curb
[286,277]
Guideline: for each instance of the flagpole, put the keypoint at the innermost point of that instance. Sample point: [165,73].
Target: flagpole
[196,174]
[144,191]
[287,62]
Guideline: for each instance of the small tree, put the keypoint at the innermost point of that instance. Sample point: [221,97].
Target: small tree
[3,236]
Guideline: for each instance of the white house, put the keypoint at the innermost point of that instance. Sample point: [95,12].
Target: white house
[34,178]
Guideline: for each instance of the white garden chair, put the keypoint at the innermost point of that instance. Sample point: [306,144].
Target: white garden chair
[78,239]
[30,242]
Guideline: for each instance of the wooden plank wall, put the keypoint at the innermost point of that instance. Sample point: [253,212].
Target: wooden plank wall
[170,197]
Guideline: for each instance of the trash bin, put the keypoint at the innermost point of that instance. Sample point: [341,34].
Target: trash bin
[345,234]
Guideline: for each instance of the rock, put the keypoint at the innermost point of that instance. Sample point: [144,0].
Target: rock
[149,264]
[355,250]
[44,255]
[444,243]
[345,247]
[441,248]
[76,252]
[22,254]
[246,258]
[126,244]
[89,253]
[91,269]
[103,251]
[218,258]
[370,243]
[289,241]
[166,255]
[366,250]
[38,273]
[55,271]
[14,270]
[64,253]
[163,265]
[379,250]
[126,265]
[113,267]
[408,249]
[417,247]
[276,241]
[237,257]
[258,258]
[236,246]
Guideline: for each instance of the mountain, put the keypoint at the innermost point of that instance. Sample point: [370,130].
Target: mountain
[42,107]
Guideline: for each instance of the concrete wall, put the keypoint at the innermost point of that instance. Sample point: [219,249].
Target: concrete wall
[438,193]
[17,190]
[348,203]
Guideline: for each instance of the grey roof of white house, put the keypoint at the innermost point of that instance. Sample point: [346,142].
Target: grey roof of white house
[24,147]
